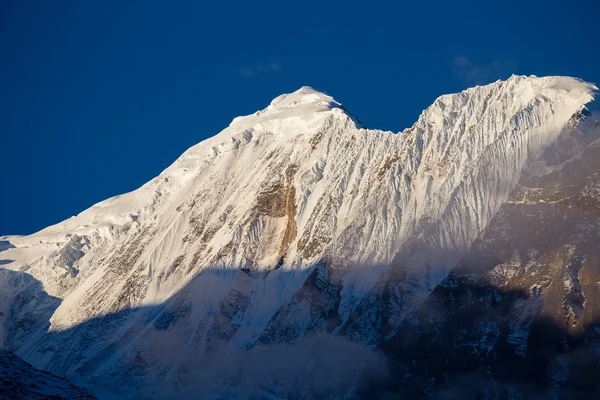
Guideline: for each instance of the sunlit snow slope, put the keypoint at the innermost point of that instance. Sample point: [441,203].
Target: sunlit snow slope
[284,223]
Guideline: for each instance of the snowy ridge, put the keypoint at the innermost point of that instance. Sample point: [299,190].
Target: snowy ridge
[234,229]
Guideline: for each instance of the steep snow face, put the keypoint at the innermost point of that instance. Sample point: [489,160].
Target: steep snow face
[245,225]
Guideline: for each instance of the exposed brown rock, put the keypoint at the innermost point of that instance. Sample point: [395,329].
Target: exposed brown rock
[271,202]
[290,209]
[316,139]
[387,165]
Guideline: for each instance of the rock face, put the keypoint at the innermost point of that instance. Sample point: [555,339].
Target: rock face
[21,381]
[298,225]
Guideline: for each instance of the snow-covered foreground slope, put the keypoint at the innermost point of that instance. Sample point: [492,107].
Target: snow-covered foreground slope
[290,221]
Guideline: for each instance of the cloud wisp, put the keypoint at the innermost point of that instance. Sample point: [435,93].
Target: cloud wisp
[272,66]
[471,73]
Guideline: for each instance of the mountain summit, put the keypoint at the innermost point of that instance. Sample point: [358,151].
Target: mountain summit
[295,224]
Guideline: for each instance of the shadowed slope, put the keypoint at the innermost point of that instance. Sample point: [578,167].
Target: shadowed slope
[21,381]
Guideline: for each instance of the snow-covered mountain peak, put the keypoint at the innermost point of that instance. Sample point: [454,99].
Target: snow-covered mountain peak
[301,97]
[304,106]
[303,112]
[292,219]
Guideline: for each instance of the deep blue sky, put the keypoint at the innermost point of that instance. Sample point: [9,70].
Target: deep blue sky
[98,97]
